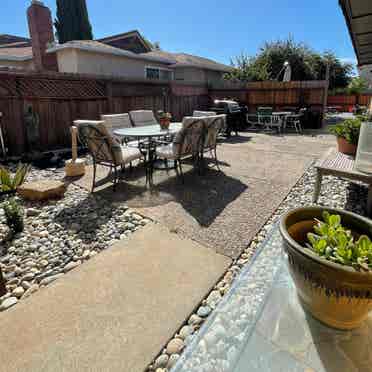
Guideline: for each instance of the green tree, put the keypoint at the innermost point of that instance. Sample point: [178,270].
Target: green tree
[72,21]
[357,85]
[306,64]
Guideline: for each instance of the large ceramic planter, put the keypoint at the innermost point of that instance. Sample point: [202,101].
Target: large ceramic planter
[337,295]
[346,147]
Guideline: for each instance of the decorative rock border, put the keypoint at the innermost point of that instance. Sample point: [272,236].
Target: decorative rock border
[335,193]
[59,236]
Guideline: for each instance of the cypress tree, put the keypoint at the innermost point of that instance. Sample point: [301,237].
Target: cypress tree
[72,21]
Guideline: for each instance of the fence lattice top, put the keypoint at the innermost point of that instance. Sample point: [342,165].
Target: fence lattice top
[29,87]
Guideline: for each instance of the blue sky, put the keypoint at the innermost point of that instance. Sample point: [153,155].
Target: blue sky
[214,29]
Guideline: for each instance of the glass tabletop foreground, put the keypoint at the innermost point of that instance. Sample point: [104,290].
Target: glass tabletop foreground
[148,131]
[260,326]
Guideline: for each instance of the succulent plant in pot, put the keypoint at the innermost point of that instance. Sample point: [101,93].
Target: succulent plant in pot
[329,255]
[347,134]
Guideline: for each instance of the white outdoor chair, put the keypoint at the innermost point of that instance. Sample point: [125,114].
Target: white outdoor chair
[271,121]
[141,118]
[293,121]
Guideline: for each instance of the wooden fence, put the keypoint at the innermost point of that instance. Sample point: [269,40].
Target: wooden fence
[347,102]
[58,99]
[279,95]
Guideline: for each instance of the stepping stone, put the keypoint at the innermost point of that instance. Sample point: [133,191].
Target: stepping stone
[117,311]
[42,190]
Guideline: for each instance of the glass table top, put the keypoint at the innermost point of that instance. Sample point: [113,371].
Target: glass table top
[148,131]
[260,326]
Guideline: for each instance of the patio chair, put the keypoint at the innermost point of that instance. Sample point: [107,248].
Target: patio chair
[104,148]
[275,121]
[198,114]
[118,121]
[213,126]
[223,127]
[141,118]
[187,143]
[293,121]
[264,115]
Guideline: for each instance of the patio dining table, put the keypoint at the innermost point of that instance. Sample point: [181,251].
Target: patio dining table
[147,146]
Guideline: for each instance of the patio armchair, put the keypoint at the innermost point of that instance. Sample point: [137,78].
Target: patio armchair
[213,125]
[223,126]
[187,143]
[118,121]
[141,118]
[198,114]
[104,148]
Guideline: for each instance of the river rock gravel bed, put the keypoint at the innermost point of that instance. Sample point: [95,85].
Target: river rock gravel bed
[335,193]
[59,235]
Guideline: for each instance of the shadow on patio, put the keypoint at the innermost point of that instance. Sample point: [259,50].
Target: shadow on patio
[203,197]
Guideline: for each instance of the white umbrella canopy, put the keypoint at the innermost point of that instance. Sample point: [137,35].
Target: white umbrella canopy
[287,73]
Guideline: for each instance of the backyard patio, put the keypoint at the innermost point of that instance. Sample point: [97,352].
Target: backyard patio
[226,213]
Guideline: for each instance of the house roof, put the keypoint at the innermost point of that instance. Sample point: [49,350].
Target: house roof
[15,48]
[6,39]
[96,46]
[358,16]
[127,35]
[189,60]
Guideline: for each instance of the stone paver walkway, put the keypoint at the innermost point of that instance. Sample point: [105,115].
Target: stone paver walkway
[115,312]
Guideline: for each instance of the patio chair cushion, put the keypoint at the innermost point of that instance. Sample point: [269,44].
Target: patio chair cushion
[129,154]
[142,118]
[166,151]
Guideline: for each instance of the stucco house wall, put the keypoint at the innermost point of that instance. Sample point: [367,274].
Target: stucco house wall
[83,62]
[194,74]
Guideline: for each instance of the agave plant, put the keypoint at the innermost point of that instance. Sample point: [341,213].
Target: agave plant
[9,182]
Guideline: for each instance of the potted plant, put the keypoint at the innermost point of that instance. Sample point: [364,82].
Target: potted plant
[164,119]
[329,255]
[347,134]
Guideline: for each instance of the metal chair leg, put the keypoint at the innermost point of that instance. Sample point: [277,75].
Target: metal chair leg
[181,171]
[115,177]
[94,175]
[216,160]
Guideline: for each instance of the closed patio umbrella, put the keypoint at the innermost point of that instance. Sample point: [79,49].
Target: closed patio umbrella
[287,73]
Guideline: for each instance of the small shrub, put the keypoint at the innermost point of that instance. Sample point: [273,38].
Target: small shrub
[348,129]
[14,215]
[9,183]
[334,242]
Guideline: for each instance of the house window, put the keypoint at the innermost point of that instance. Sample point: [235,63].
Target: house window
[158,73]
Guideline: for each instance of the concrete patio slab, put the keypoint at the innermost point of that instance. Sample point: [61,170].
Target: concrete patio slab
[223,210]
[116,311]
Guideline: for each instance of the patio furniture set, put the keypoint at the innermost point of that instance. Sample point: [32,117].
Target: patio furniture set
[268,119]
[121,139]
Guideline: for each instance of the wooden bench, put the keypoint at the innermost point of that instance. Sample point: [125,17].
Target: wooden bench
[336,164]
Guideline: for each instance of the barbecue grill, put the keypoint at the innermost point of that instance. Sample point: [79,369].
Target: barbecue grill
[233,114]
